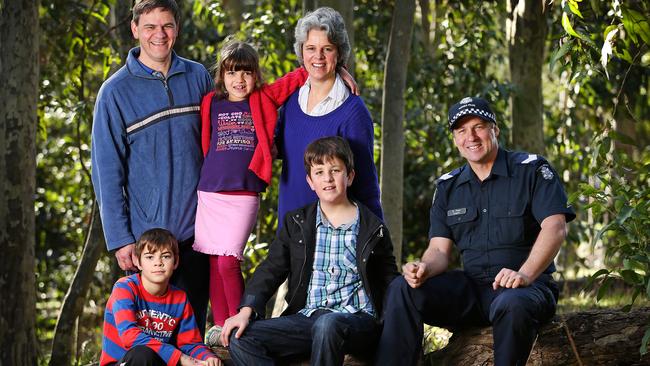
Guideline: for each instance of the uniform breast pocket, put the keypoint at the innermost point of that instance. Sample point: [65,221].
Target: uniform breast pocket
[462,221]
[509,225]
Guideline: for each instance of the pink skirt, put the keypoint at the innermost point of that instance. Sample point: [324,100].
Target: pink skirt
[224,223]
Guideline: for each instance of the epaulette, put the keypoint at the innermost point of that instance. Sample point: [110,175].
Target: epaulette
[527,158]
[449,175]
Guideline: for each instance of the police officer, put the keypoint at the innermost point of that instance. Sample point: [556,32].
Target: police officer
[507,213]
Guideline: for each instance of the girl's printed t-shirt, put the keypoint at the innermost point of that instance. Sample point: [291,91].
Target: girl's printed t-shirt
[232,144]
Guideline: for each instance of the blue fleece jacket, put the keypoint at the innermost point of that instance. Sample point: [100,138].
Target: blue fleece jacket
[146,149]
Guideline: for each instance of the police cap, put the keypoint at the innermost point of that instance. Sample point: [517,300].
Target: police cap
[470,106]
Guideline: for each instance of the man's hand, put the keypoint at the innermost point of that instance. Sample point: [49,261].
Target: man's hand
[240,321]
[508,278]
[126,257]
[415,273]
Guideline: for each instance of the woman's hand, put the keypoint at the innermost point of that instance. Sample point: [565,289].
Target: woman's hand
[349,81]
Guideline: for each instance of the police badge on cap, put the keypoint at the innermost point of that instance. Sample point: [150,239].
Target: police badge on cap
[469,106]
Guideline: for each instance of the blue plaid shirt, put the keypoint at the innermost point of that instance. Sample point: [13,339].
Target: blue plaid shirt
[335,282]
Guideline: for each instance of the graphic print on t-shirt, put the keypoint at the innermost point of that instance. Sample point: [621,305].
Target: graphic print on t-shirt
[235,131]
[157,324]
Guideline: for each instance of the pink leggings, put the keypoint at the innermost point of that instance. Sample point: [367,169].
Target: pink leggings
[226,287]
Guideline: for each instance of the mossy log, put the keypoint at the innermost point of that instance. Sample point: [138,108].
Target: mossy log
[594,337]
[589,338]
[349,359]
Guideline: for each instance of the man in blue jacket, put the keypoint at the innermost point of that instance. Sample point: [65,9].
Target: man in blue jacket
[146,152]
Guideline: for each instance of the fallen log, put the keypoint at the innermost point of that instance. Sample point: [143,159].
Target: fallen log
[593,337]
[590,338]
[349,360]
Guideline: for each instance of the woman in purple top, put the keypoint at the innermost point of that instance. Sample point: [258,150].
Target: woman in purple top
[324,107]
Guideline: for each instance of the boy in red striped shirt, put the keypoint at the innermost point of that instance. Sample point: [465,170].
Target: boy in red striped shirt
[147,320]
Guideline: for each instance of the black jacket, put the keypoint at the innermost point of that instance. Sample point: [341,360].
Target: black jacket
[291,255]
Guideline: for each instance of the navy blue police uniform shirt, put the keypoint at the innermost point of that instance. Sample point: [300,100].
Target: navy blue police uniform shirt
[495,223]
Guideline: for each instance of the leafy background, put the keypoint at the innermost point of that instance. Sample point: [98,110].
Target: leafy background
[596,125]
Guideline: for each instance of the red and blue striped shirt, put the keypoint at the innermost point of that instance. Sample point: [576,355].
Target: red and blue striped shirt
[166,324]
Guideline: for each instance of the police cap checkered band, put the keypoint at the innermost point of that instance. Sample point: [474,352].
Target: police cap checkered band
[469,106]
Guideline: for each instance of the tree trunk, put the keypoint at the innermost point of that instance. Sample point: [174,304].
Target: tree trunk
[595,337]
[19,37]
[235,10]
[308,5]
[392,116]
[526,33]
[121,21]
[73,304]
[430,38]
[625,122]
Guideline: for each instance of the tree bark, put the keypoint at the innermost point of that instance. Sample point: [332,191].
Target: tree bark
[308,5]
[235,10]
[19,37]
[526,33]
[73,303]
[595,337]
[121,20]
[392,116]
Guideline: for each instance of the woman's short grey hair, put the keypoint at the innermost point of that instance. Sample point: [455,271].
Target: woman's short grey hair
[330,21]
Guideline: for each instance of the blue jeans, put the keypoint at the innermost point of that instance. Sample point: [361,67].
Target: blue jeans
[453,299]
[327,336]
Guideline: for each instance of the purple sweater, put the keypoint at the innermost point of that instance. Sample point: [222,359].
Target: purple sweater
[350,120]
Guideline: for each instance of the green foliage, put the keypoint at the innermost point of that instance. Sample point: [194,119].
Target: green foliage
[622,195]
[74,54]
[595,88]
[617,194]
[461,61]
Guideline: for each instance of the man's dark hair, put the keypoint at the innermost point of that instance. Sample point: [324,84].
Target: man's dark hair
[327,148]
[145,6]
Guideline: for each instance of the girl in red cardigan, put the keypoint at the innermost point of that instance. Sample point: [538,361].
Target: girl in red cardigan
[238,121]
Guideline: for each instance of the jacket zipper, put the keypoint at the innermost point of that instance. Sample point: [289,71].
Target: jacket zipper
[159,75]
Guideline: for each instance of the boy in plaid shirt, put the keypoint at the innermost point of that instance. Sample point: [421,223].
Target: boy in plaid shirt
[338,258]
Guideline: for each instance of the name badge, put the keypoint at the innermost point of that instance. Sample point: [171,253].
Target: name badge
[457,211]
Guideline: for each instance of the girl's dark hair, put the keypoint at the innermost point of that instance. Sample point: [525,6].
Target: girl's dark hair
[236,56]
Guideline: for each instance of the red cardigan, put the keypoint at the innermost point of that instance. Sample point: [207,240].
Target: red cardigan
[264,104]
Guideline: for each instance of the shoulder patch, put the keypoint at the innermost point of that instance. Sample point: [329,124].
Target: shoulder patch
[529,159]
[545,171]
[449,175]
